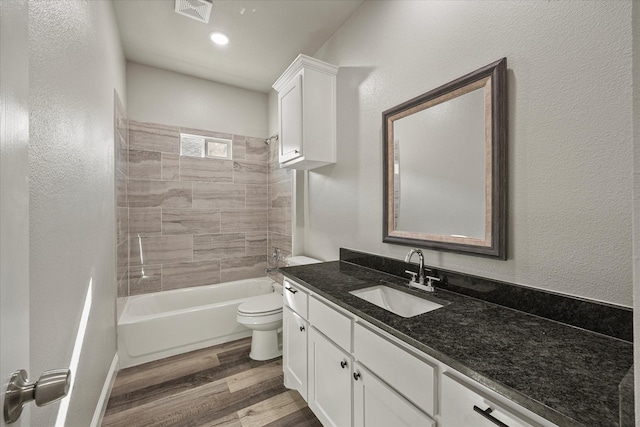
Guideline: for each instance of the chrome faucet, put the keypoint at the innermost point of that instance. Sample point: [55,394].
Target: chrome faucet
[421,276]
[276,256]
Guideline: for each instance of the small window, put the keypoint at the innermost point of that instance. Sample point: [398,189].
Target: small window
[203,146]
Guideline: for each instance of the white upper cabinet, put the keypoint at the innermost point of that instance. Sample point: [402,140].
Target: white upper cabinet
[307,114]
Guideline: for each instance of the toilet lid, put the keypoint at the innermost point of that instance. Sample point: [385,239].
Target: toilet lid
[263,304]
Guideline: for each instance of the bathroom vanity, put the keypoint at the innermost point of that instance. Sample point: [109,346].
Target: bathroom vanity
[468,363]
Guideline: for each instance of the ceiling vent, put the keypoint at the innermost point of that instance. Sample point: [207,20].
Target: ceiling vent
[200,10]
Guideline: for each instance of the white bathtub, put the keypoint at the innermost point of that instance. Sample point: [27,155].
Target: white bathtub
[154,326]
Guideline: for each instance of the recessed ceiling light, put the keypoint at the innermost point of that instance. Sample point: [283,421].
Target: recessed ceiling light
[219,38]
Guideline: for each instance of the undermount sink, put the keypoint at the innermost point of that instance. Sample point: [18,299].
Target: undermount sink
[395,301]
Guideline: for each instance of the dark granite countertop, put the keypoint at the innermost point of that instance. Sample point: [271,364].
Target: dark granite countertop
[567,375]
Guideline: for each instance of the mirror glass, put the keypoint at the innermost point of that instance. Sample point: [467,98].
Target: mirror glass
[445,166]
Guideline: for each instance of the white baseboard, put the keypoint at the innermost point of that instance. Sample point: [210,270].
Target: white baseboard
[101,407]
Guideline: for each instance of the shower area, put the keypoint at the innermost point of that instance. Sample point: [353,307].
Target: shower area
[187,222]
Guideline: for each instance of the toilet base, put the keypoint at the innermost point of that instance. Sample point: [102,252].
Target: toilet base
[265,345]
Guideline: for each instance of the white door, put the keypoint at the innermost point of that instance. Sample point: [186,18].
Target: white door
[14,194]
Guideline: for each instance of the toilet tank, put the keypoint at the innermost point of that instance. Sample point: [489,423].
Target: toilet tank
[301,260]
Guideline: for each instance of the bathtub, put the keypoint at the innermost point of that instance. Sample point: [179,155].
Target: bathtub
[159,325]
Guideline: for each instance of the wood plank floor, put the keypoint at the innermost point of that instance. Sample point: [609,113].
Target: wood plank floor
[217,386]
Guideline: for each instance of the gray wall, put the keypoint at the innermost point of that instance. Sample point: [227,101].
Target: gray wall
[161,96]
[75,61]
[570,136]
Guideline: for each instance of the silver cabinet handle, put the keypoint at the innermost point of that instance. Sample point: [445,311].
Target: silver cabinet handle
[356,375]
[301,328]
[51,386]
[344,364]
[293,291]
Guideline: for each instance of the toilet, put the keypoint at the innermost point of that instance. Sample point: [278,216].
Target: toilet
[263,314]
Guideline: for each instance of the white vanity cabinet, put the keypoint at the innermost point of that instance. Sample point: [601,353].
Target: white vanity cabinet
[295,338]
[359,375]
[294,351]
[375,404]
[466,403]
[329,381]
[307,114]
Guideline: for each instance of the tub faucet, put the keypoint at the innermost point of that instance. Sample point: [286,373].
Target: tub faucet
[421,276]
[276,256]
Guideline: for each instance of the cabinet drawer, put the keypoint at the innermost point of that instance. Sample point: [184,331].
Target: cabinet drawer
[336,326]
[461,403]
[295,298]
[412,377]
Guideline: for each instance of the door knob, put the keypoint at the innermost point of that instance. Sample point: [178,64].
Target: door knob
[51,386]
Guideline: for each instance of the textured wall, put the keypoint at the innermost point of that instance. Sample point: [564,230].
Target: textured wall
[570,136]
[161,96]
[75,62]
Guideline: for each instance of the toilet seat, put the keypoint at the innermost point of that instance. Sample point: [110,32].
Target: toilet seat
[261,305]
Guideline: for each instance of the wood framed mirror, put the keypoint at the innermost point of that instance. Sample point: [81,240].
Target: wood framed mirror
[445,166]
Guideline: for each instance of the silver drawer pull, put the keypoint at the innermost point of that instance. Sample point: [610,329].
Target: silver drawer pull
[293,291]
[487,414]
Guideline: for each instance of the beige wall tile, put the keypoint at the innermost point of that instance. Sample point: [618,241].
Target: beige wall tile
[279,220]
[186,274]
[160,249]
[145,221]
[145,279]
[121,189]
[256,243]
[276,174]
[208,195]
[154,137]
[122,224]
[203,169]
[190,221]
[242,268]
[170,167]
[247,221]
[122,254]
[257,150]
[245,172]
[257,196]
[281,241]
[167,194]
[218,246]
[122,154]
[145,164]
[239,147]
[280,194]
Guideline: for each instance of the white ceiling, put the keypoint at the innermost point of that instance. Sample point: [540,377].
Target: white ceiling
[265,36]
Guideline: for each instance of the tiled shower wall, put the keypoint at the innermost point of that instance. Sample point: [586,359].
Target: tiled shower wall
[121,143]
[200,221]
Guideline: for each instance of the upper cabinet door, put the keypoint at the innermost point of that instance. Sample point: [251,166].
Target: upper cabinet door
[307,114]
[290,107]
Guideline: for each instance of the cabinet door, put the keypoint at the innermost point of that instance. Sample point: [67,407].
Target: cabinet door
[290,107]
[375,404]
[329,381]
[294,351]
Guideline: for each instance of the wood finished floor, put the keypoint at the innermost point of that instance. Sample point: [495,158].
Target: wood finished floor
[216,386]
